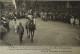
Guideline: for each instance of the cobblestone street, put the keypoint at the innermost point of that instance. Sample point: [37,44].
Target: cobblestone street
[47,34]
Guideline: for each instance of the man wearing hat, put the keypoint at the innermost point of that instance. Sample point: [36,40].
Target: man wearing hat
[20,31]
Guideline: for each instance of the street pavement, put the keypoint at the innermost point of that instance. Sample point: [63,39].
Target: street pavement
[46,34]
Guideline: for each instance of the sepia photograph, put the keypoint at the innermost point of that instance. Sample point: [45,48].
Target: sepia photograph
[39,23]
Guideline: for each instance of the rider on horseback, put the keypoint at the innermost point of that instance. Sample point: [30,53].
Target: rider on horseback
[30,26]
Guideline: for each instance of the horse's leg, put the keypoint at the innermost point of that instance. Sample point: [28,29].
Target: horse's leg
[28,34]
[33,33]
[31,36]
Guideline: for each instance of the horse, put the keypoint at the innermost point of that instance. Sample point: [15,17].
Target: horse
[30,27]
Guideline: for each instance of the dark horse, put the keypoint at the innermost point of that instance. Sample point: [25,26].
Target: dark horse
[30,27]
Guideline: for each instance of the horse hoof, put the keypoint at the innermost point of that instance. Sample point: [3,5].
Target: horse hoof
[28,37]
[31,41]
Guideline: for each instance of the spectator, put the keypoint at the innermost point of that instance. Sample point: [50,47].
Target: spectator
[20,31]
[77,22]
[72,20]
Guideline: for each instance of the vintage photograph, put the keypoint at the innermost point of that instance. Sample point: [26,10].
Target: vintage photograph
[39,23]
